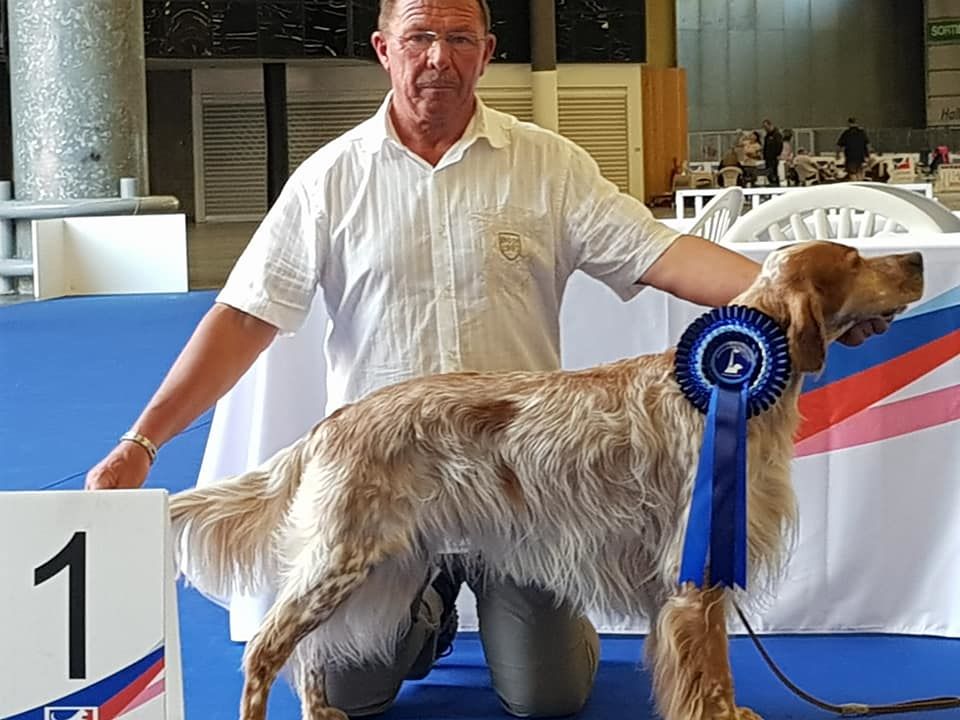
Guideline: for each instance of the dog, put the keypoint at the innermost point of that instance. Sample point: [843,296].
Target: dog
[579,482]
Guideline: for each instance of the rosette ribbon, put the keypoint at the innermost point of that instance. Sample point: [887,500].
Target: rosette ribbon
[732,363]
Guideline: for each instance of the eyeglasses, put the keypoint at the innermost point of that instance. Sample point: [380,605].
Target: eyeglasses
[422,40]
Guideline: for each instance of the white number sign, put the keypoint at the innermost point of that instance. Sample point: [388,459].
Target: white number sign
[88,613]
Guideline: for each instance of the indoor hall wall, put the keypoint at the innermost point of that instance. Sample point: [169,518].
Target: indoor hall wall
[803,63]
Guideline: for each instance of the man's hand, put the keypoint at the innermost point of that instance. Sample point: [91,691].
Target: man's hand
[863,330]
[125,468]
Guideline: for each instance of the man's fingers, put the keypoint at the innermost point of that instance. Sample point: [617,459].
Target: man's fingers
[863,330]
[879,325]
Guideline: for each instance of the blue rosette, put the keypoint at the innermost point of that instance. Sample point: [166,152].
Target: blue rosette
[732,363]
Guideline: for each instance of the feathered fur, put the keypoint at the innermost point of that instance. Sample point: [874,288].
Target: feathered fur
[576,481]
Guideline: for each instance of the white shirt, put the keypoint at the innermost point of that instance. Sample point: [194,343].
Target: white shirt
[427,269]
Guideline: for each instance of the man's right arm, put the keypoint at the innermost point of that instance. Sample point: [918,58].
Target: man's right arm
[224,345]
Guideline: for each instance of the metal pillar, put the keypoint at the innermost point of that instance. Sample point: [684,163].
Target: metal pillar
[275,106]
[8,241]
[78,97]
[543,57]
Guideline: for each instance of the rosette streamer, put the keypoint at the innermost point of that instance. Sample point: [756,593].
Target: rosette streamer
[732,363]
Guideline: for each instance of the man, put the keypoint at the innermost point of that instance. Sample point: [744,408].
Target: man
[855,146]
[807,169]
[772,147]
[441,234]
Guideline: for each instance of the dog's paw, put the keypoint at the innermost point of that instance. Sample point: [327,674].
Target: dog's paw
[745,713]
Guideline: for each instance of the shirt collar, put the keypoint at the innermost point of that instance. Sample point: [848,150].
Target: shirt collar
[485,123]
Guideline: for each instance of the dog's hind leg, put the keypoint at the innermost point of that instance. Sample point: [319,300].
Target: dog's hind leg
[310,682]
[304,603]
[691,663]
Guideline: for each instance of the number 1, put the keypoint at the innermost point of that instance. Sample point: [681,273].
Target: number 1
[74,557]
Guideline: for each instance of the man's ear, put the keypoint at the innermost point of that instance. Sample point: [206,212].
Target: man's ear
[379,41]
[806,333]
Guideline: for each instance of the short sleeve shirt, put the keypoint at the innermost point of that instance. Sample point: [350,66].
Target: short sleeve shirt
[427,269]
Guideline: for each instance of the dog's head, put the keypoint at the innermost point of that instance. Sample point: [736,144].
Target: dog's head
[818,290]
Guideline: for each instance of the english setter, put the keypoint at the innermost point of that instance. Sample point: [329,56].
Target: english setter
[578,482]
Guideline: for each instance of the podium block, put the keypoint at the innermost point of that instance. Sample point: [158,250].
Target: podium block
[88,607]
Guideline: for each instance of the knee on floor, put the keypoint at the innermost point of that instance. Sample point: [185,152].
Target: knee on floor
[556,701]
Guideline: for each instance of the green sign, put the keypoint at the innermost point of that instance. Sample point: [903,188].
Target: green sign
[944,30]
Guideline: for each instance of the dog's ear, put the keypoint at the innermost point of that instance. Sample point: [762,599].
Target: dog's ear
[806,332]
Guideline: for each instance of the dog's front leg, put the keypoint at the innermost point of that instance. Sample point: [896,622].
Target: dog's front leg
[691,662]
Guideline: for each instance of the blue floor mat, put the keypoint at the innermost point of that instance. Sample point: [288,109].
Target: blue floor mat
[75,373]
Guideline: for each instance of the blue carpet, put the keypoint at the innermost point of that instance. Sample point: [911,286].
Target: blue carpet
[75,374]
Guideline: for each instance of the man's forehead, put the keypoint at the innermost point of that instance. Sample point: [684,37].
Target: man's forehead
[446,10]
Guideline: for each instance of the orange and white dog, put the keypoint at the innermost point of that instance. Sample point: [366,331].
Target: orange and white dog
[579,482]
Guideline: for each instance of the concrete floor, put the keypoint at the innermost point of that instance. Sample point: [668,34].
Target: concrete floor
[212,249]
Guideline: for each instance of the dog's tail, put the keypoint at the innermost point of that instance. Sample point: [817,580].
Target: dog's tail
[225,534]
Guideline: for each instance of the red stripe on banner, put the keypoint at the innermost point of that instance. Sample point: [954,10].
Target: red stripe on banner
[887,421]
[146,696]
[115,705]
[834,403]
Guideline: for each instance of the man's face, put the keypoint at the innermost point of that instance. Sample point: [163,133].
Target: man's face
[435,52]
[767,125]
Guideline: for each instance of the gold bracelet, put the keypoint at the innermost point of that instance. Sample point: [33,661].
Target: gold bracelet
[143,442]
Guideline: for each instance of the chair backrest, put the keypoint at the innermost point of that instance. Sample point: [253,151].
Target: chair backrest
[719,214]
[948,178]
[903,169]
[842,211]
[731,175]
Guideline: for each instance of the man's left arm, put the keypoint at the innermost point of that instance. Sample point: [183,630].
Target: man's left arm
[684,266]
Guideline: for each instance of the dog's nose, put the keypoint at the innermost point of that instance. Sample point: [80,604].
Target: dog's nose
[915,260]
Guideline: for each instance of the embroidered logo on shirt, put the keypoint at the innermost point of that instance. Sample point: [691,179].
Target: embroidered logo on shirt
[509,245]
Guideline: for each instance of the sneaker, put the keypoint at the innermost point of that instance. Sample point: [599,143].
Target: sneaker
[447,585]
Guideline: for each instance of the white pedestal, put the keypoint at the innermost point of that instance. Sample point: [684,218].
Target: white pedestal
[89,621]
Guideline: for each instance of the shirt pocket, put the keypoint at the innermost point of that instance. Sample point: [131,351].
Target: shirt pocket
[517,249]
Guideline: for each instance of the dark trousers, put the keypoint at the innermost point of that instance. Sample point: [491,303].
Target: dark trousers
[772,172]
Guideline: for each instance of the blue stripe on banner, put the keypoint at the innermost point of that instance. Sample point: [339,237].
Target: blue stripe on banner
[903,336]
[943,300]
[99,693]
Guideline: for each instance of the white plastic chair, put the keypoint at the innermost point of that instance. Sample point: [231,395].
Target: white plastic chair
[903,169]
[730,175]
[719,214]
[842,211]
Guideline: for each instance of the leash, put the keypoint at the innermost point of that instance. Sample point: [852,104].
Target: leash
[846,709]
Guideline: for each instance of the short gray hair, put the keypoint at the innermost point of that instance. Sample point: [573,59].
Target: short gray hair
[386,13]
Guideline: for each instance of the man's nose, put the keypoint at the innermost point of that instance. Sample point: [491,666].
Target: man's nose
[439,52]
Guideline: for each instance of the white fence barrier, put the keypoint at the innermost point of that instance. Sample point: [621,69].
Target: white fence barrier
[753,197]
